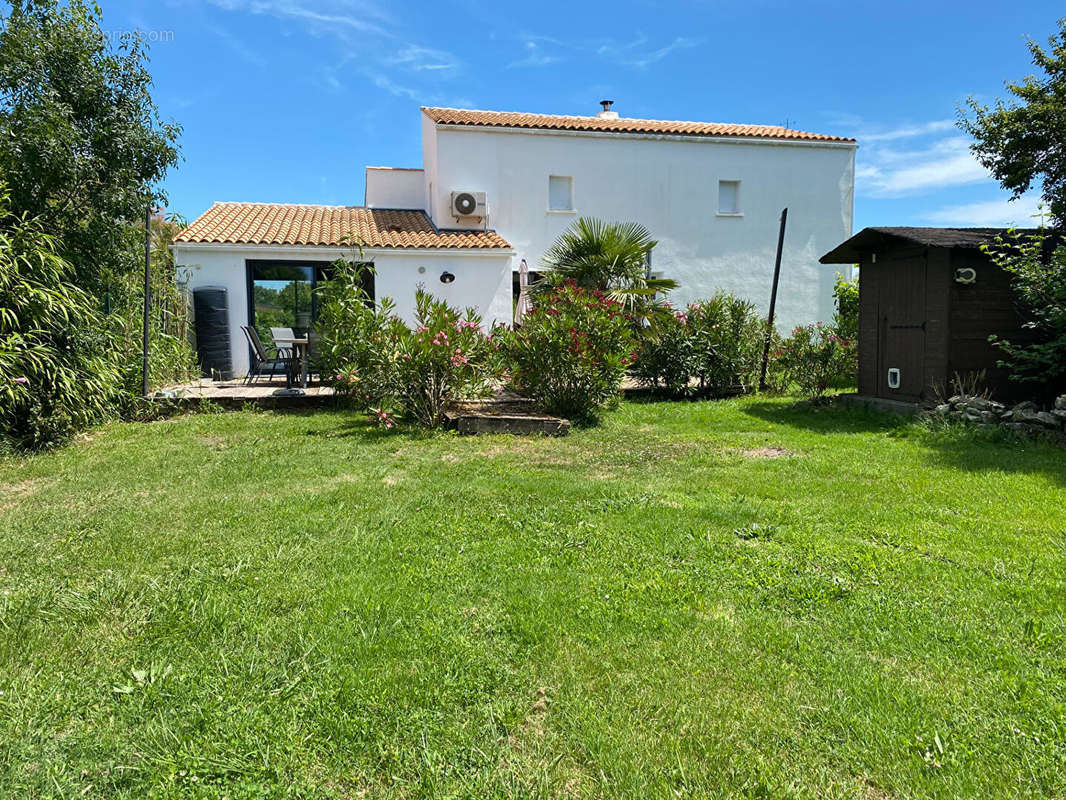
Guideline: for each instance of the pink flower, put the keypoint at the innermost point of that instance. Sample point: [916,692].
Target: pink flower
[22,380]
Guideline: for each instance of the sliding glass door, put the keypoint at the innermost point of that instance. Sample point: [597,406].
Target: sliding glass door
[281,294]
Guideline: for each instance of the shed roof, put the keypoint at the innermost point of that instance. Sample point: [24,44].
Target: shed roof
[330,226]
[870,239]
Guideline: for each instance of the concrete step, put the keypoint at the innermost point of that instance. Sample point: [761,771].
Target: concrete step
[505,413]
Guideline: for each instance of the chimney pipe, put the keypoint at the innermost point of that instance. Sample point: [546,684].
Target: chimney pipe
[607,113]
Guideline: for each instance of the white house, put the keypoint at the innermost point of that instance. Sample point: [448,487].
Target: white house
[498,187]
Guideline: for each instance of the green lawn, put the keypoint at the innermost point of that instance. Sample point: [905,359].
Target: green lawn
[738,598]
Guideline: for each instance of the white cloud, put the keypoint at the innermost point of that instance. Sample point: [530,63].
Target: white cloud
[338,17]
[868,134]
[884,172]
[386,58]
[535,57]
[1022,212]
[637,54]
[424,59]
[239,47]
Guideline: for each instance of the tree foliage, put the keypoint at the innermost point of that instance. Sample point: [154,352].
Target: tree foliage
[81,141]
[1038,277]
[57,371]
[1021,143]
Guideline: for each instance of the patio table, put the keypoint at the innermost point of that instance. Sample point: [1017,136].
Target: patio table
[299,356]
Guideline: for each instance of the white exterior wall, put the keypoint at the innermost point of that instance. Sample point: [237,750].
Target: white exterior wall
[482,279]
[670,185]
[395,187]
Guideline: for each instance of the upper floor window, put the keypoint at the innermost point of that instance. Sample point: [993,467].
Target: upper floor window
[560,193]
[729,197]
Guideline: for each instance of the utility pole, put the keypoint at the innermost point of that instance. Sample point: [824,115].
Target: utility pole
[773,302]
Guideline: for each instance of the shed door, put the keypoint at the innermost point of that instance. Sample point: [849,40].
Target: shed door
[902,316]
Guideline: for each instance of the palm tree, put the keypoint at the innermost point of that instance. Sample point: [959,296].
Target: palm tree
[609,256]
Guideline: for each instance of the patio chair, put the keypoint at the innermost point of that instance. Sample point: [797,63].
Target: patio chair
[262,364]
[282,333]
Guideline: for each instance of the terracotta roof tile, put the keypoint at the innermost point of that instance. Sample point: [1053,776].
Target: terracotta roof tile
[327,226]
[514,119]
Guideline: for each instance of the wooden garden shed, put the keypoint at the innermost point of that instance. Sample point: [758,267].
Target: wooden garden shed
[929,298]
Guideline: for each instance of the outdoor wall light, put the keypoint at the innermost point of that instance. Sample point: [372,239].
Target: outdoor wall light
[446,277]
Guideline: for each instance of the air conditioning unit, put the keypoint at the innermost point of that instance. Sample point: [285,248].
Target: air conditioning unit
[469,204]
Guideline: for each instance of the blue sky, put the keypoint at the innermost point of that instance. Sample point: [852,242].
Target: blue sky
[288,100]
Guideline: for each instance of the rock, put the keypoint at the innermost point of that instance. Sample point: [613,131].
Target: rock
[1059,414]
[943,408]
[989,417]
[1019,427]
[983,404]
[1047,419]
[1026,416]
[1039,419]
[1026,405]
[1060,402]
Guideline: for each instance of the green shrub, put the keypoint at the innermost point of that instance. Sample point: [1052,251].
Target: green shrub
[1038,278]
[816,359]
[446,358]
[571,352]
[172,358]
[727,342]
[665,355]
[58,373]
[711,347]
[846,316]
[389,370]
[358,339]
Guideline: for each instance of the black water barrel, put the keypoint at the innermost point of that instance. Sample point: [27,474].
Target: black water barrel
[211,310]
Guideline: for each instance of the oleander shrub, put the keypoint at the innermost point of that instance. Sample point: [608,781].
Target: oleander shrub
[665,355]
[727,338]
[447,357]
[357,338]
[815,358]
[571,352]
[711,347]
[372,358]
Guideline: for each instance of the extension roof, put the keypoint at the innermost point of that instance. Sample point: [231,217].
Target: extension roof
[330,226]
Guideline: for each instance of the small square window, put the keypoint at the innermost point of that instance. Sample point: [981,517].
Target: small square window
[560,193]
[728,197]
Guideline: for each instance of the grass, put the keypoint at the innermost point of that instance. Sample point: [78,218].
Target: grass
[739,598]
